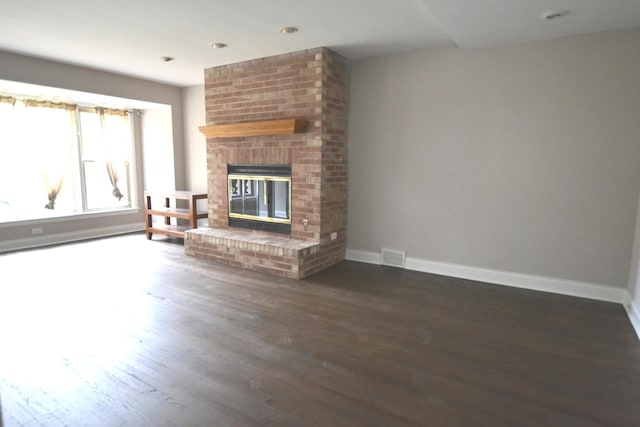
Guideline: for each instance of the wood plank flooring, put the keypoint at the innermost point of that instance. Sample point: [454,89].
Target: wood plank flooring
[129,332]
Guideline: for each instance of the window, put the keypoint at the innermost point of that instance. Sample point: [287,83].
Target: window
[59,159]
[105,151]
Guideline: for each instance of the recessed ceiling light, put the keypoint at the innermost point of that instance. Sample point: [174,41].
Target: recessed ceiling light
[167,58]
[288,30]
[218,45]
[550,15]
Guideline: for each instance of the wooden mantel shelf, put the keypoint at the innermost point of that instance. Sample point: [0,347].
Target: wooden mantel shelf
[270,127]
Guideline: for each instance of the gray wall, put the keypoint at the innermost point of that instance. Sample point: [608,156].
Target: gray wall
[523,158]
[195,142]
[37,71]
[634,274]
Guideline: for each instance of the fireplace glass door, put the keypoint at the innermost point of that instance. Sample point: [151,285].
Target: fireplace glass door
[260,198]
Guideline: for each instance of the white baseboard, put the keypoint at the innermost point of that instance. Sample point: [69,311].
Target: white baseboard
[517,280]
[634,314]
[520,280]
[52,239]
[363,256]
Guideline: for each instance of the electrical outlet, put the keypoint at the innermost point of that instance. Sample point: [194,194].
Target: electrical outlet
[334,235]
[37,230]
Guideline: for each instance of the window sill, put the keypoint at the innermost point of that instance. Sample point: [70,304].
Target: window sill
[68,217]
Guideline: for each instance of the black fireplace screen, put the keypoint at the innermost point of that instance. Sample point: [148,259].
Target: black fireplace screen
[260,197]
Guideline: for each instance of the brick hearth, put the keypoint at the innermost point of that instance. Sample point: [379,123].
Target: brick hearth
[311,85]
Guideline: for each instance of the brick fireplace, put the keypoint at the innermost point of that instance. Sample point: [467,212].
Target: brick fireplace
[312,88]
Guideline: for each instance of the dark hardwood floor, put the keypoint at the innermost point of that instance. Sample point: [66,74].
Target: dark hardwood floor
[126,331]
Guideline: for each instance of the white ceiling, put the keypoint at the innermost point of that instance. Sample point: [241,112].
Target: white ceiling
[130,37]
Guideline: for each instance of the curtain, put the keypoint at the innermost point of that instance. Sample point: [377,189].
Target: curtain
[51,142]
[36,139]
[115,138]
[7,159]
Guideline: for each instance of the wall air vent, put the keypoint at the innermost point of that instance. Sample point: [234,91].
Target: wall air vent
[392,258]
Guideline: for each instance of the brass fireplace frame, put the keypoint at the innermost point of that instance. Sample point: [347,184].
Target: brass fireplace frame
[258,178]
